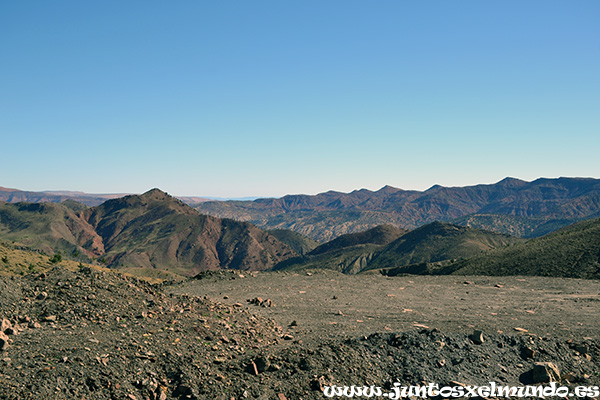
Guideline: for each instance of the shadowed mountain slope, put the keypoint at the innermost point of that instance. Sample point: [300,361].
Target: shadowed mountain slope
[572,252]
[348,253]
[299,243]
[385,247]
[438,241]
[380,235]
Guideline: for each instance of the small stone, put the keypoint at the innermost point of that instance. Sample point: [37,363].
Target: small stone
[281,396]
[262,364]
[569,376]
[544,372]
[161,394]
[477,337]
[42,296]
[50,318]
[441,363]
[318,383]
[287,336]
[3,341]
[5,325]
[527,352]
[581,348]
[34,325]
[521,330]
[421,326]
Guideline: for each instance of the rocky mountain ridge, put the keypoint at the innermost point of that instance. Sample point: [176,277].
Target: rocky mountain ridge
[152,231]
[518,207]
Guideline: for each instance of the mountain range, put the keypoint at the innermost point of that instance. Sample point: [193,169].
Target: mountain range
[9,195]
[157,232]
[152,231]
[511,206]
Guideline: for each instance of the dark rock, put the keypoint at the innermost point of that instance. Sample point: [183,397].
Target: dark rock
[3,342]
[477,337]
[543,372]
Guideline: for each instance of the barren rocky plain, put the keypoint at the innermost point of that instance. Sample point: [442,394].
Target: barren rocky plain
[94,334]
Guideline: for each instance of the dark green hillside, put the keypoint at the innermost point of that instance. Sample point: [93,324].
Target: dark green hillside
[438,241]
[525,227]
[380,235]
[299,243]
[387,247]
[349,253]
[572,252]
[349,260]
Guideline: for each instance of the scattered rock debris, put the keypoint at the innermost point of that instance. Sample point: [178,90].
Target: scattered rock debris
[101,335]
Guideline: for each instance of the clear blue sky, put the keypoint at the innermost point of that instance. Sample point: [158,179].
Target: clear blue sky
[264,98]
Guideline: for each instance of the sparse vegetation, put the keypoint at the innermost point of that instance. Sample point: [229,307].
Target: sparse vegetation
[573,252]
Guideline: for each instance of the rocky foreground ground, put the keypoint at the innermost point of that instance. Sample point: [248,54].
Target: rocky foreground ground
[92,334]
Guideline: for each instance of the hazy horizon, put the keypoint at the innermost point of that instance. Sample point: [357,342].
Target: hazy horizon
[266,98]
[208,196]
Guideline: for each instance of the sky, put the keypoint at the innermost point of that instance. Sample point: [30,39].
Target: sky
[265,98]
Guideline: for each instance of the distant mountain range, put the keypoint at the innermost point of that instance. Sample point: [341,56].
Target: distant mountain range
[511,206]
[58,196]
[153,231]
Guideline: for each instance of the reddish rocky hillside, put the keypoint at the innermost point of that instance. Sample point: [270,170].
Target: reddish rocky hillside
[153,230]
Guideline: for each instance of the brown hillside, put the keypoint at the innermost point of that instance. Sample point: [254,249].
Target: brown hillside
[153,230]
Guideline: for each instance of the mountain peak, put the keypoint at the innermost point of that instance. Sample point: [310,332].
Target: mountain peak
[156,194]
[387,189]
[511,182]
[434,187]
